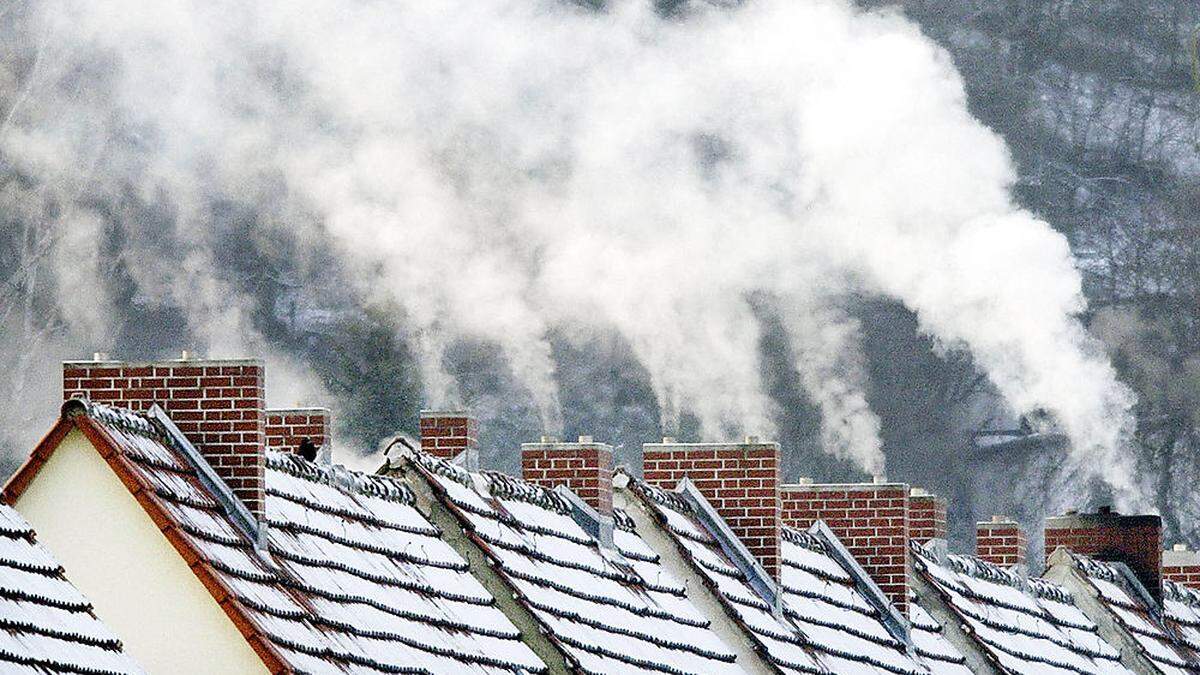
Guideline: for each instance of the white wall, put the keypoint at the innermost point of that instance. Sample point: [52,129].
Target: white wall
[140,586]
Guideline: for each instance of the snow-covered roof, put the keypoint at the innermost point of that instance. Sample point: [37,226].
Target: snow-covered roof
[824,622]
[609,610]
[1024,625]
[46,624]
[1122,596]
[1181,610]
[352,577]
[929,639]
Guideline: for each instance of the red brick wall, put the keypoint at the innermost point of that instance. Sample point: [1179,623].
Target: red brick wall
[585,467]
[1001,542]
[872,520]
[447,434]
[286,427]
[1133,540]
[926,517]
[1182,566]
[218,405]
[741,481]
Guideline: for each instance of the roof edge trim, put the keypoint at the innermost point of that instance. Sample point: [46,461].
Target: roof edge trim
[756,575]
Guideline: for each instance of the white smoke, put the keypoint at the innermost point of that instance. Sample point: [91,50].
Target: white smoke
[499,168]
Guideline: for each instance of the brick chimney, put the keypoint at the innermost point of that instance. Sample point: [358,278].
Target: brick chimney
[286,428]
[740,480]
[1182,565]
[450,434]
[585,467]
[872,521]
[1000,541]
[1112,537]
[926,516]
[218,405]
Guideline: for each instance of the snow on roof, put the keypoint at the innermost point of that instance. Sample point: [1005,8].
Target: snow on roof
[1025,625]
[1181,609]
[825,624]
[941,657]
[46,624]
[1117,591]
[353,576]
[611,611]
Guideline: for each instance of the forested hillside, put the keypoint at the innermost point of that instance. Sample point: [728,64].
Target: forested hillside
[1098,100]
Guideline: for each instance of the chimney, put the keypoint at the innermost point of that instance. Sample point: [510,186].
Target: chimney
[926,516]
[287,428]
[1000,541]
[1109,536]
[449,435]
[585,467]
[740,480]
[1182,566]
[218,405]
[871,520]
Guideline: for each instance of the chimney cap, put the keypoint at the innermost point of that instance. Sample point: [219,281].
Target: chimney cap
[586,439]
[546,438]
[751,439]
[1000,519]
[1179,547]
[805,480]
[668,439]
[879,479]
[918,492]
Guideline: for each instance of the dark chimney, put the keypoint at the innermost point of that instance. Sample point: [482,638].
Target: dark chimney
[1109,536]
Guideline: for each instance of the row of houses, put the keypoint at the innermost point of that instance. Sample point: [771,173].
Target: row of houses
[170,523]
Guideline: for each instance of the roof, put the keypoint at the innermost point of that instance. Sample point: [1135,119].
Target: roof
[1023,625]
[46,624]
[825,622]
[612,610]
[1181,610]
[939,655]
[352,577]
[1123,597]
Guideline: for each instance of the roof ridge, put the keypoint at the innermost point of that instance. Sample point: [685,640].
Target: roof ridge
[504,486]
[121,418]
[341,477]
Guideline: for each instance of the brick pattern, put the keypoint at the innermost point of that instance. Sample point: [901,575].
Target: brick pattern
[585,468]
[741,481]
[926,517]
[286,427]
[218,405]
[872,520]
[1001,542]
[446,435]
[1133,540]
[1185,574]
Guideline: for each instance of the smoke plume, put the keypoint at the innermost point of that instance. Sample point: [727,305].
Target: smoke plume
[496,169]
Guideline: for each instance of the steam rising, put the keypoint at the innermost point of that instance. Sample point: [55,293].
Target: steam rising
[496,169]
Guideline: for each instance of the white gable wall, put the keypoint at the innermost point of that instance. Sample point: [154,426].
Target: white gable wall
[115,554]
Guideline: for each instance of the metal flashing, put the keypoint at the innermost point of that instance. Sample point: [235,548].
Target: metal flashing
[756,575]
[238,514]
[597,526]
[892,619]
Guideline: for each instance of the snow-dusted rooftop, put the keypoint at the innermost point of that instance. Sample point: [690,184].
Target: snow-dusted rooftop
[46,624]
[825,622]
[352,577]
[609,610]
[1022,625]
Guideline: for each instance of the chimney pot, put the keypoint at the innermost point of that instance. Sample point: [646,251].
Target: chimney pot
[668,439]
[999,519]
[879,479]
[183,356]
[805,480]
[918,492]
[1179,547]
[585,439]
[751,440]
